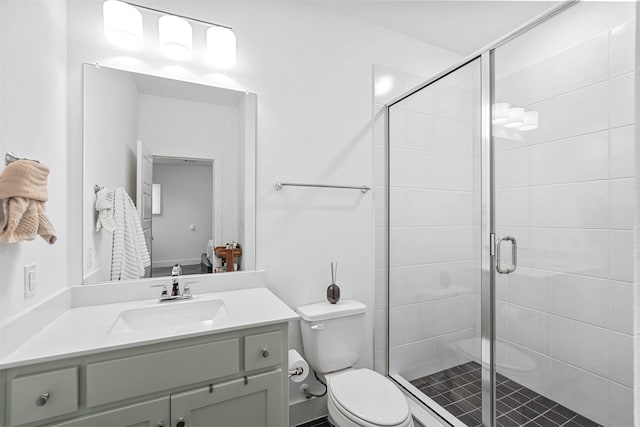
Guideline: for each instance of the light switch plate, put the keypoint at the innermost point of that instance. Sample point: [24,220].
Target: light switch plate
[29,280]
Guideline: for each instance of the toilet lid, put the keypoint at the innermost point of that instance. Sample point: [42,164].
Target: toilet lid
[369,396]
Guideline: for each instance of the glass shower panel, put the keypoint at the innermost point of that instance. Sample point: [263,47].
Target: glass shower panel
[434,243]
[563,141]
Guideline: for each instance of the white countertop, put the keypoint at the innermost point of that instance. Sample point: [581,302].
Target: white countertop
[84,330]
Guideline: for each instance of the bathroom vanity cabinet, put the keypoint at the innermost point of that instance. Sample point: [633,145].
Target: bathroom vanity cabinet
[236,378]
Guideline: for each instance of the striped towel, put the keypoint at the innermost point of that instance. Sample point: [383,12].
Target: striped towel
[130,255]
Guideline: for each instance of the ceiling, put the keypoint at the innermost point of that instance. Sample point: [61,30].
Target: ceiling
[462,27]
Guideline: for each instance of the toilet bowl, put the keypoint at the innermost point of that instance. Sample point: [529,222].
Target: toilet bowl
[364,398]
[332,341]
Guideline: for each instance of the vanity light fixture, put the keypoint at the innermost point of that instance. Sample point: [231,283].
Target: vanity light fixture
[123,27]
[221,47]
[176,40]
[122,24]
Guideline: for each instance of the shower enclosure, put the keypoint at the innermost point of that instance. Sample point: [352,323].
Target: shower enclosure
[510,188]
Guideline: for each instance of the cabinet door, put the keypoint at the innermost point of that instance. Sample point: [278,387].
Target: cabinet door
[154,413]
[258,403]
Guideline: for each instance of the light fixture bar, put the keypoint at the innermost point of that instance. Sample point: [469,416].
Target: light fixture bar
[175,14]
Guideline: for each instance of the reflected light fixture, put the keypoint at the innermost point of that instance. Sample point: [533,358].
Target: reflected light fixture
[221,47]
[122,24]
[500,112]
[175,36]
[383,85]
[516,117]
[530,121]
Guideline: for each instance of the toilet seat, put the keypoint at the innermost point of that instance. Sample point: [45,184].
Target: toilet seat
[368,399]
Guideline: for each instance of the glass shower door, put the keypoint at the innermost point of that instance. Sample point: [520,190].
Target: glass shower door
[556,217]
[435,243]
[563,140]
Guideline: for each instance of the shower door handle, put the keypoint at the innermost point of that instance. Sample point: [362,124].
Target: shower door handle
[514,255]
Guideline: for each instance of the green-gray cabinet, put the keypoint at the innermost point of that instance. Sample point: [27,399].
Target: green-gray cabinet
[154,413]
[254,401]
[226,379]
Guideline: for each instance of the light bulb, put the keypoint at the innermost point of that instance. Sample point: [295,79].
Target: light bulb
[530,121]
[500,113]
[516,117]
[175,36]
[221,47]
[122,24]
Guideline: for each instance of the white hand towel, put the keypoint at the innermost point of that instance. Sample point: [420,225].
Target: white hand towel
[104,206]
[130,255]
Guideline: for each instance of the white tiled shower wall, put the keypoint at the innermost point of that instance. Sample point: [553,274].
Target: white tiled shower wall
[565,191]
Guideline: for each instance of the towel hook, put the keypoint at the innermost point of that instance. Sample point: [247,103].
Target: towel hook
[10,157]
[97,188]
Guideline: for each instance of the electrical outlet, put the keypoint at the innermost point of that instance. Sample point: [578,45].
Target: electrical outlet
[29,280]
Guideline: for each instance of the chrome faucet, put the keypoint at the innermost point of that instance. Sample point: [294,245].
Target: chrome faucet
[176,294]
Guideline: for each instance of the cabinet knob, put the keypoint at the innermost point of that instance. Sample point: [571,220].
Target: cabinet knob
[181,422]
[265,353]
[42,400]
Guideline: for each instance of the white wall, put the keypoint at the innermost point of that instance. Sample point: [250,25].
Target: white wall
[111,135]
[172,127]
[187,198]
[311,70]
[312,73]
[33,124]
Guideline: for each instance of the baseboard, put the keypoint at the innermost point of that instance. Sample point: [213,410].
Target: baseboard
[307,410]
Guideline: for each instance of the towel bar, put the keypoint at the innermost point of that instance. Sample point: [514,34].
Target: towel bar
[279,185]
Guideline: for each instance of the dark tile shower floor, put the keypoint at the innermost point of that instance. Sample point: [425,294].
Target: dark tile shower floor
[458,391]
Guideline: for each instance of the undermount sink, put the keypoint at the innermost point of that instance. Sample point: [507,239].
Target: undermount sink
[169,315]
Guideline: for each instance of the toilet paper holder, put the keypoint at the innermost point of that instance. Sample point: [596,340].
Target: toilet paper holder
[296,371]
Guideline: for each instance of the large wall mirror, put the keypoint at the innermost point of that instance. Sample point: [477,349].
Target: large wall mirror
[168,179]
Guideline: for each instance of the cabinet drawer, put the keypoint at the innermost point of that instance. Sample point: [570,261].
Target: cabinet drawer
[40,396]
[152,413]
[262,350]
[128,377]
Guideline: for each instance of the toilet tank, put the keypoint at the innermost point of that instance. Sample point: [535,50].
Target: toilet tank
[332,334]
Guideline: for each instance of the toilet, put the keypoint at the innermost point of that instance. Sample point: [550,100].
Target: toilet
[332,340]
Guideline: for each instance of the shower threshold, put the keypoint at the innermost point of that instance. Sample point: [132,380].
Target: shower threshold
[458,391]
